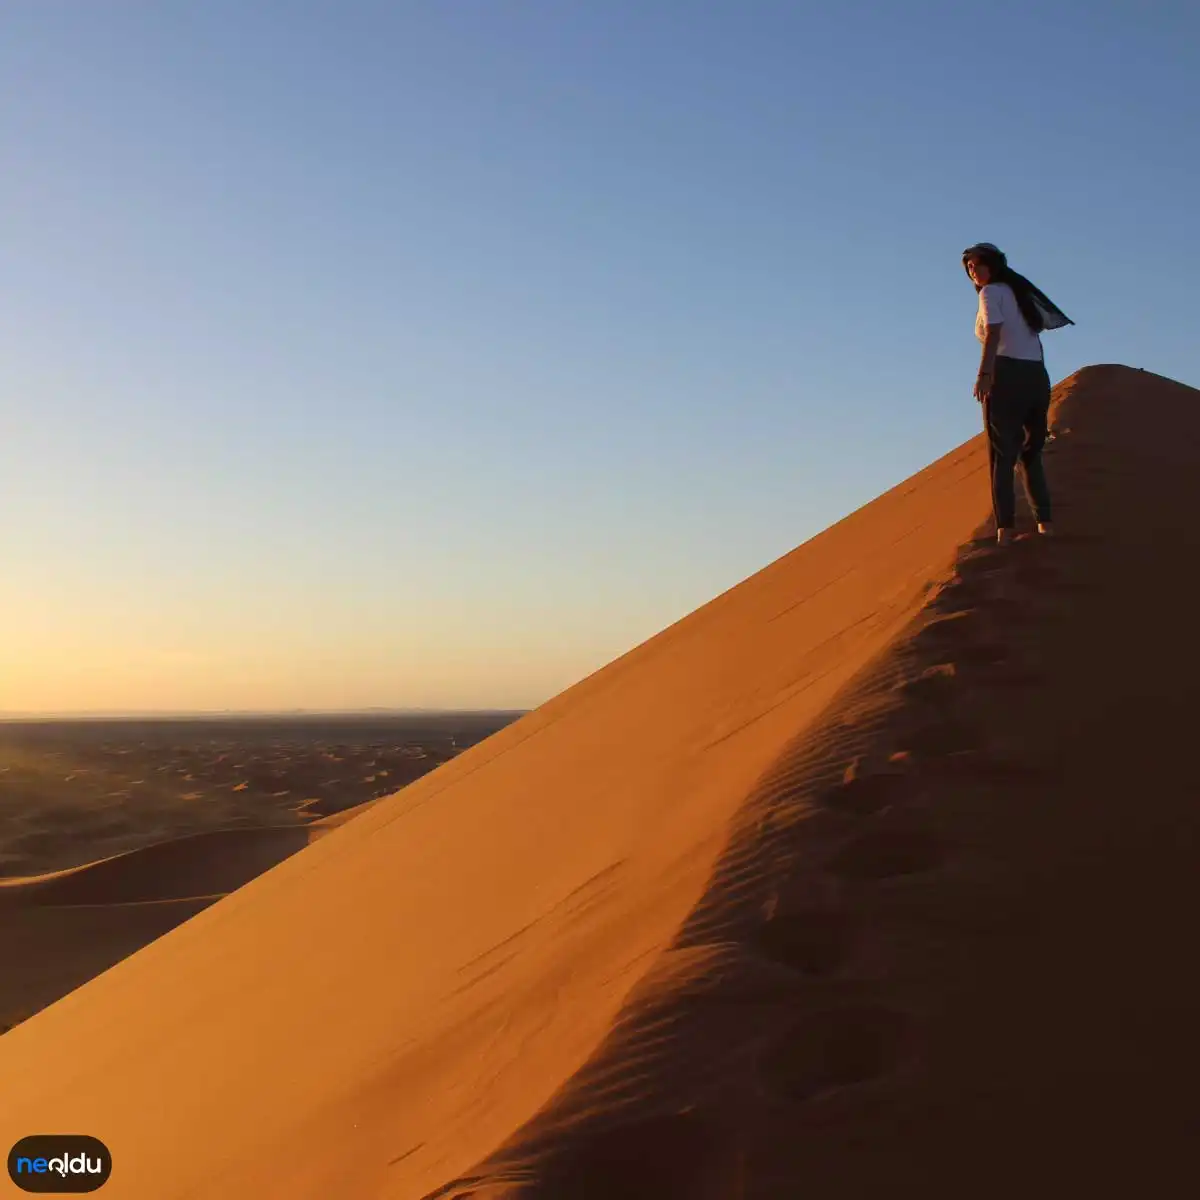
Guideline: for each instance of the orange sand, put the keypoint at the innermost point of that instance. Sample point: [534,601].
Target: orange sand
[874,876]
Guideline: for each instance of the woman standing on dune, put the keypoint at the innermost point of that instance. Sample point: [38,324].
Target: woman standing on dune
[1013,385]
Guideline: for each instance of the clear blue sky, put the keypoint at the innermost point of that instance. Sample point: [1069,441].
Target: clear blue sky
[435,353]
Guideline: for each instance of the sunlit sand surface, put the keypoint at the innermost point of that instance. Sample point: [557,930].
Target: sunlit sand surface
[875,876]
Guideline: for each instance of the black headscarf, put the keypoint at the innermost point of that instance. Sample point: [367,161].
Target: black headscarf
[1039,311]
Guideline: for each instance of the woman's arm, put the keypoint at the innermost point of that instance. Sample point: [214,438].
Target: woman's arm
[987,364]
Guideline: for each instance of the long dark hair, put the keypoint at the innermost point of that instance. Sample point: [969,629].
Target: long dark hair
[1039,311]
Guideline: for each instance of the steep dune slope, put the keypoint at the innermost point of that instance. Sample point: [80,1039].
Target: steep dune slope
[653,940]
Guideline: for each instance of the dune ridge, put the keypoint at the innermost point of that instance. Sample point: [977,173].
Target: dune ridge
[754,909]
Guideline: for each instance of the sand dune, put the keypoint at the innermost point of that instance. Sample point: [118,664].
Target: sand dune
[59,929]
[204,864]
[875,875]
[118,784]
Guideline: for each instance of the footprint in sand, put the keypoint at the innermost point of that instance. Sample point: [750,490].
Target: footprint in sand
[985,768]
[980,654]
[677,1156]
[1011,676]
[948,747]
[961,601]
[1012,609]
[937,685]
[977,565]
[865,795]
[885,853]
[942,737]
[952,638]
[1035,575]
[840,1047]
[946,628]
[815,941]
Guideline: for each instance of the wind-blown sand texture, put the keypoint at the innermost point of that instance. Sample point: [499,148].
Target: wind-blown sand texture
[875,876]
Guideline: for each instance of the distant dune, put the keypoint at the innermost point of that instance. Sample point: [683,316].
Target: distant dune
[60,929]
[875,876]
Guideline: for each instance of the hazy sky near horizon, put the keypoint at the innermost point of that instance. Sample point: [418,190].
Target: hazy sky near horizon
[435,354]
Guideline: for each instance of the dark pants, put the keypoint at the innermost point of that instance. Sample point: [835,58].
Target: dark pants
[1015,415]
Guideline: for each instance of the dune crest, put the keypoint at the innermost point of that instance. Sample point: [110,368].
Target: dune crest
[814,890]
[190,867]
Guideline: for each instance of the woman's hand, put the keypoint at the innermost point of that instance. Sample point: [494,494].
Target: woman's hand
[983,386]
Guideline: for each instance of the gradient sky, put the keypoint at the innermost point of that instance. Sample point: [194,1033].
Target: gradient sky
[436,353]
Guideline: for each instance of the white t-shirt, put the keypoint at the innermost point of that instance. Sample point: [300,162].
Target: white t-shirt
[998,305]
